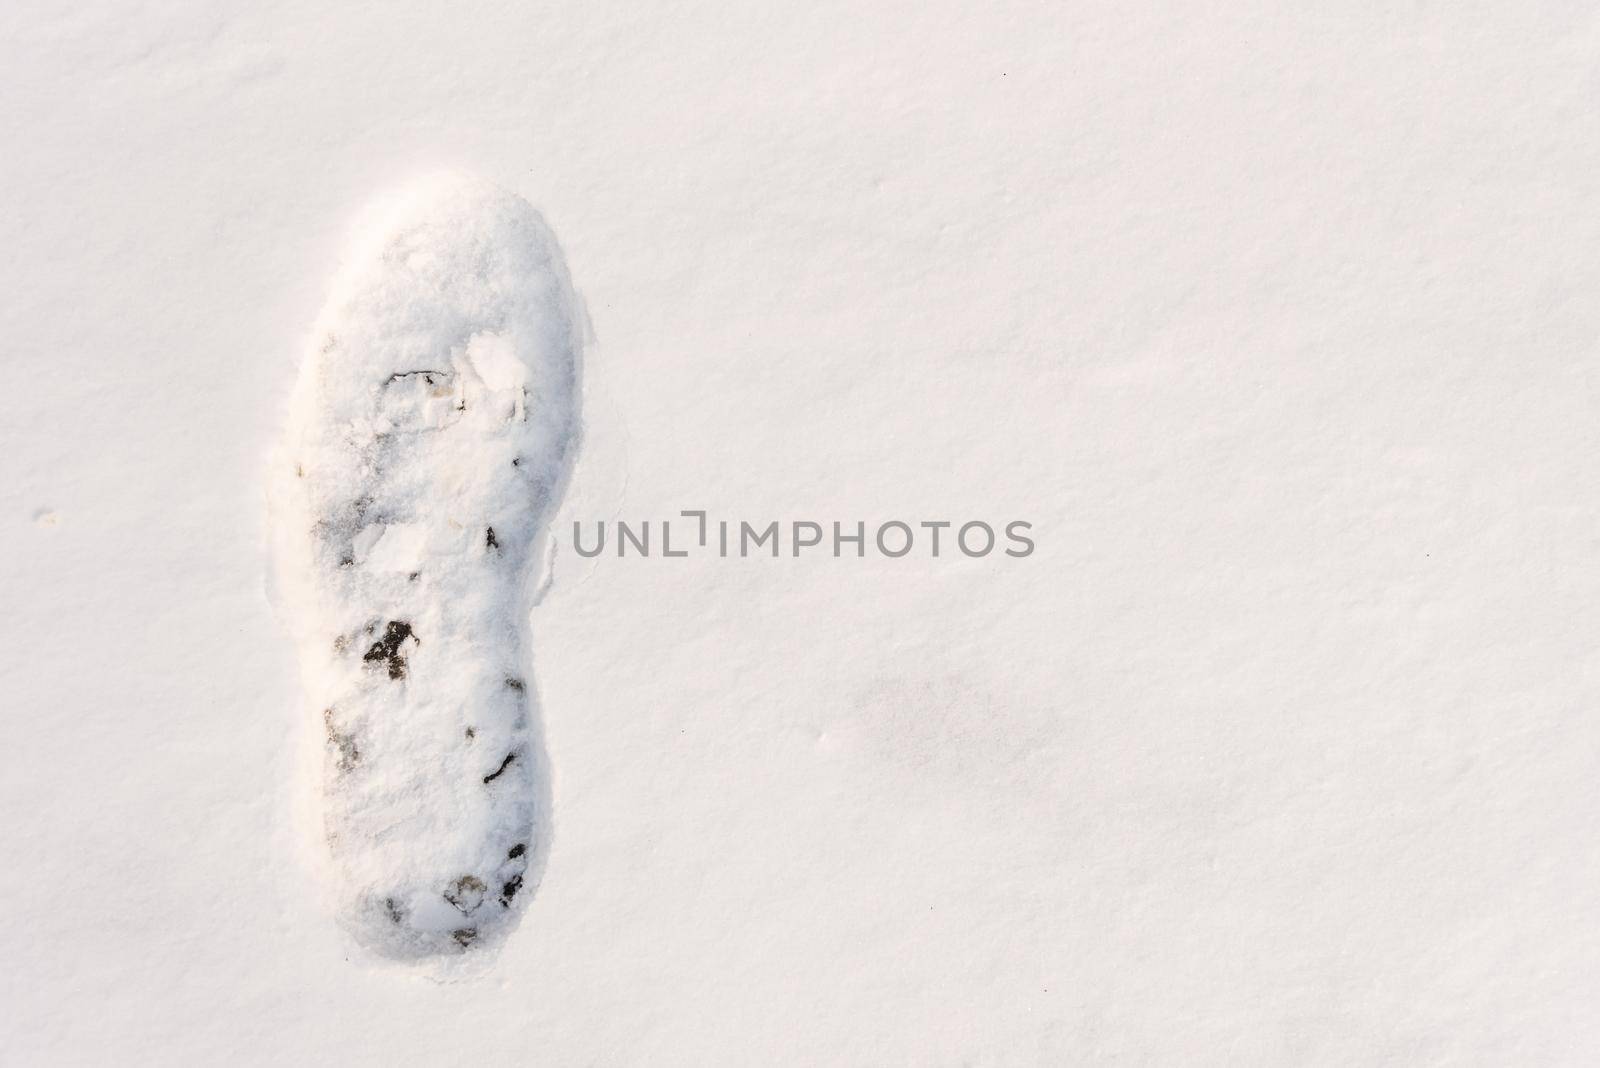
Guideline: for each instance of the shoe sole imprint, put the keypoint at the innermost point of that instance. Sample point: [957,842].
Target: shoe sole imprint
[430,435]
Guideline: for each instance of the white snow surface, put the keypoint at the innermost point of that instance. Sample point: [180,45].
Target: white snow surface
[1278,323]
[430,435]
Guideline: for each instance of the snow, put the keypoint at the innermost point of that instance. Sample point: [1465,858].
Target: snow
[1277,325]
[430,434]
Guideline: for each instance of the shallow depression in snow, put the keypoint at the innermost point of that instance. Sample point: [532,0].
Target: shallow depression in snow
[431,432]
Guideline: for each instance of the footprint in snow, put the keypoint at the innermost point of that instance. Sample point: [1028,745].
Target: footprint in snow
[431,431]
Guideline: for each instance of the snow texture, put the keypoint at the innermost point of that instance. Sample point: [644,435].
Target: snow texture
[1278,321]
[430,435]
